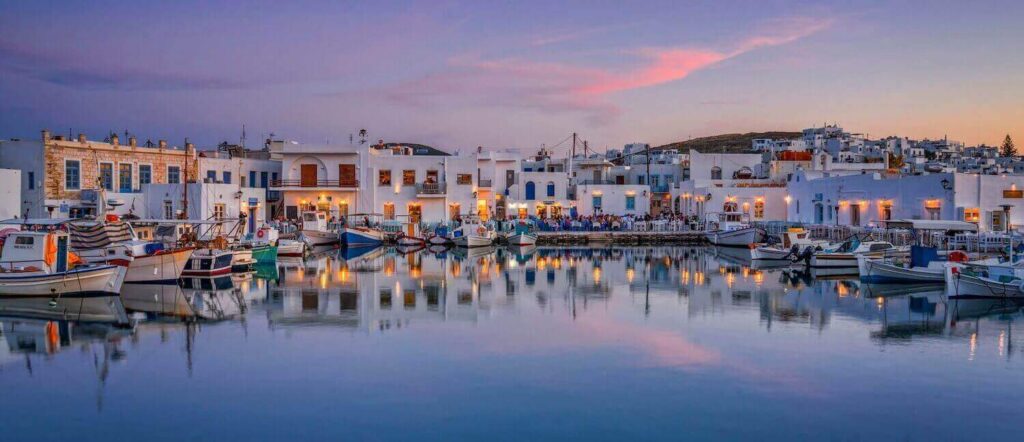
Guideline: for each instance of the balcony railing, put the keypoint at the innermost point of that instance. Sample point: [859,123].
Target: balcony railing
[315,183]
[660,188]
[484,184]
[431,188]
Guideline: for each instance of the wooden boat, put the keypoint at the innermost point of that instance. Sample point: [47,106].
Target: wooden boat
[985,279]
[116,243]
[845,255]
[209,262]
[315,231]
[361,230]
[473,233]
[264,253]
[410,236]
[440,236]
[291,248]
[792,242]
[522,235]
[925,266]
[728,229]
[39,264]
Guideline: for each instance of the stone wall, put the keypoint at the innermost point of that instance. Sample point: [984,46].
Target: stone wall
[91,154]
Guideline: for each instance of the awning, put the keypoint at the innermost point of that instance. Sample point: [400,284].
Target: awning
[931,224]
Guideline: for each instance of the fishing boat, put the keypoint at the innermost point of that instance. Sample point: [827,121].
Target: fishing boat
[410,236]
[844,256]
[291,248]
[925,266]
[40,264]
[209,262]
[473,233]
[789,246]
[315,231]
[362,230]
[522,235]
[984,281]
[729,229]
[440,236]
[242,258]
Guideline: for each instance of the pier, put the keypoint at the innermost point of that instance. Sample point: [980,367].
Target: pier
[622,238]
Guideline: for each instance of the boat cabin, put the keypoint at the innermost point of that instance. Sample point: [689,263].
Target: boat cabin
[34,251]
[316,221]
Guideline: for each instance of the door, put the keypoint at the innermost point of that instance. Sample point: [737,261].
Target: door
[620,180]
[510,178]
[308,173]
[597,177]
[819,214]
[453,210]
[347,175]
[252,220]
[432,177]
[415,213]
[855,215]
[62,254]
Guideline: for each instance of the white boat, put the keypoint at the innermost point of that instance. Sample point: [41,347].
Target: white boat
[117,243]
[209,262]
[315,231]
[410,236]
[440,236]
[845,255]
[728,229]
[523,235]
[984,280]
[39,264]
[792,243]
[473,233]
[290,247]
[241,259]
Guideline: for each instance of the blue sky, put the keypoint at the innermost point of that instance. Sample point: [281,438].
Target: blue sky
[459,74]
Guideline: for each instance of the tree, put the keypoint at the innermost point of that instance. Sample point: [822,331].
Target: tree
[1008,149]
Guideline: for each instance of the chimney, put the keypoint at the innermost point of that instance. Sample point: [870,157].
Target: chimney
[81,138]
[132,141]
[114,140]
[46,135]
[162,144]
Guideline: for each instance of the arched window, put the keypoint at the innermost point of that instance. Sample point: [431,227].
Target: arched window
[551,189]
[716,173]
[531,191]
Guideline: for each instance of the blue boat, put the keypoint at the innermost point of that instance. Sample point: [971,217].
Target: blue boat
[362,229]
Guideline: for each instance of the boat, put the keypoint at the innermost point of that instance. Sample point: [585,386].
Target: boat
[522,235]
[844,256]
[791,243]
[473,233]
[728,229]
[440,236]
[115,242]
[40,264]
[315,231]
[924,266]
[410,236]
[241,259]
[361,230]
[264,245]
[264,253]
[291,248]
[984,282]
[209,262]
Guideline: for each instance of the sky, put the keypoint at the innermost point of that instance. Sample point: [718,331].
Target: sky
[518,74]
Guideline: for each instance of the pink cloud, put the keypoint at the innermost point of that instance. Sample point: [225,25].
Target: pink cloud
[561,87]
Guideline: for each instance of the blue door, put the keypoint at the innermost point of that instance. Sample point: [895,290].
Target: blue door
[531,191]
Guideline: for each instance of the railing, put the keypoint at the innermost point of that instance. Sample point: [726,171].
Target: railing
[660,188]
[431,188]
[273,195]
[484,183]
[314,183]
[592,182]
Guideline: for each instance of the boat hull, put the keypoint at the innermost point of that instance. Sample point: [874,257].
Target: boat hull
[209,263]
[770,254]
[291,248]
[102,280]
[471,241]
[880,272]
[972,287]
[438,240]
[732,238]
[264,254]
[362,238]
[318,238]
[164,267]
[410,241]
[522,239]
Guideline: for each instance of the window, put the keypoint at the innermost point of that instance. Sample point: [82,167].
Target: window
[1013,193]
[972,215]
[408,177]
[264,180]
[531,190]
[24,241]
[759,209]
[31,180]
[107,176]
[273,177]
[630,202]
[716,173]
[173,175]
[464,178]
[252,178]
[551,189]
[855,215]
[211,176]
[227,177]
[168,209]
[886,211]
[124,177]
[218,211]
[145,174]
[384,178]
[72,175]
[389,210]
[597,202]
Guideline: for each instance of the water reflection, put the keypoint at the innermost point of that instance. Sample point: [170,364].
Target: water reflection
[711,312]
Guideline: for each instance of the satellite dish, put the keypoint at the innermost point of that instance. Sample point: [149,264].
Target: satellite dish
[115,202]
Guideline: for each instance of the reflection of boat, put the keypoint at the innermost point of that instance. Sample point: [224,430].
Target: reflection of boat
[975,308]
[878,290]
[202,298]
[38,264]
[67,308]
[266,271]
[734,255]
[349,253]
[407,249]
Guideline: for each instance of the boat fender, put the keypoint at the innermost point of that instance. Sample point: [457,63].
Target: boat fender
[259,233]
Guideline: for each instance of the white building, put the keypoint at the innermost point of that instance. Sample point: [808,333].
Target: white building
[10,193]
[206,201]
[612,199]
[219,168]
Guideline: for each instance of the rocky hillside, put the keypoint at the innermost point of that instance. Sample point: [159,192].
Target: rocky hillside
[727,143]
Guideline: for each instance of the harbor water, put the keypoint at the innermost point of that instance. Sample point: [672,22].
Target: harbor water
[578,343]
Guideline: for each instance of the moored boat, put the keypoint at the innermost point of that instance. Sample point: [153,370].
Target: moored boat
[362,230]
[39,264]
[315,231]
[209,262]
[728,229]
[473,233]
[522,235]
[791,243]
[845,255]
[291,248]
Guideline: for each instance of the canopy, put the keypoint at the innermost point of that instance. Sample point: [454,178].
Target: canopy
[87,237]
[931,224]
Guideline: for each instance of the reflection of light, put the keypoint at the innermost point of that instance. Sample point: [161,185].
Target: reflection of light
[512,263]
[729,279]
[684,276]
[323,280]
[746,272]
[974,346]
[415,272]
[1002,343]
[389,266]
[630,273]
[841,291]
[698,278]
[597,275]
[758,278]
[557,263]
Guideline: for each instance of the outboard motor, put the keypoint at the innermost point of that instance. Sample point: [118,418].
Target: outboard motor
[805,256]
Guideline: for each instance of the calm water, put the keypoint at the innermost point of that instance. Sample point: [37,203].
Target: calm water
[590,344]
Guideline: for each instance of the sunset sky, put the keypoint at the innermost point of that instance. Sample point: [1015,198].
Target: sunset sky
[457,74]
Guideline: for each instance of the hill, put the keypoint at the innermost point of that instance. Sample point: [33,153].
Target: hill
[726,143]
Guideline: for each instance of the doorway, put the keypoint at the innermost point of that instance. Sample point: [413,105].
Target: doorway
[415,212]
[308,175]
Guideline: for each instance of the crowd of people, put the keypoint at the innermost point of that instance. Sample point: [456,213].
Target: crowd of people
[614,223]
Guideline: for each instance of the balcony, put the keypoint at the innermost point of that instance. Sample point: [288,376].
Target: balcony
[336,184]
[484,184]
[660,188]
[431,189]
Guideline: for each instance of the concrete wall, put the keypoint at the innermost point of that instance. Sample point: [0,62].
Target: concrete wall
[613,199]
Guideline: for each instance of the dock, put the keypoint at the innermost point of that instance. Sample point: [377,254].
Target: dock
[621,238]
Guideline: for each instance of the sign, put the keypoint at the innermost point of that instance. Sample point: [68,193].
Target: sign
[254,201]
[64,208]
